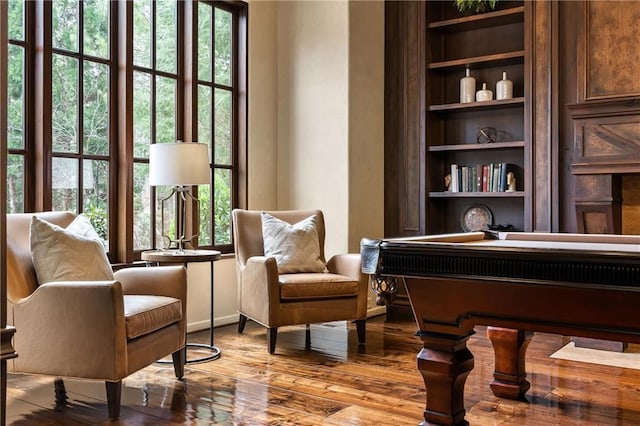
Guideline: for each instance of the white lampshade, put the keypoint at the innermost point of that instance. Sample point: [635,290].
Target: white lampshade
[183,163]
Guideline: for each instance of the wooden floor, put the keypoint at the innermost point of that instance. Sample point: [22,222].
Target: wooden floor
[335,383]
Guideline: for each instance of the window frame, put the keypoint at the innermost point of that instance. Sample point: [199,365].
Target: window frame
[238,89]
[38,109]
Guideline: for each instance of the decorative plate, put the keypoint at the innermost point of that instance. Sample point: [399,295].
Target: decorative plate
[477,217]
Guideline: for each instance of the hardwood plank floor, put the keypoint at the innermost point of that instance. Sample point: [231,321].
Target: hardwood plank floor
[335,383]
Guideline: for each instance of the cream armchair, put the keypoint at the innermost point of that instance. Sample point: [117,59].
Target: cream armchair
[102,330]
[274,300]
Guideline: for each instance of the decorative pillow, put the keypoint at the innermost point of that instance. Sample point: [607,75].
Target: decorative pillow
[82,226]
[295,247]
[61,255]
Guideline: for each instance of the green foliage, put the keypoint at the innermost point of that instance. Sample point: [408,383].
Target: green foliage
[98,218]
[475,6]
[222,206]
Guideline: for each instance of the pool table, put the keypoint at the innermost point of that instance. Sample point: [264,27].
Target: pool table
[515,283]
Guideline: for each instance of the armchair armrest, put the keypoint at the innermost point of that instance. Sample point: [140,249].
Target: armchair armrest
[170,281]
[85,316]
[347,264]
[260,289]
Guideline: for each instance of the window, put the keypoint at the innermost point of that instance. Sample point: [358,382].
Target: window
[217,94]
[156,83]
[80,109]
[67,149]
[16,107]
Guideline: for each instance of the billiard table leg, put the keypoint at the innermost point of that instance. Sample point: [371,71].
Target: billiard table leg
[509,347]
[445,362]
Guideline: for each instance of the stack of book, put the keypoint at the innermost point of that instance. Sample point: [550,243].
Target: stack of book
[481,178]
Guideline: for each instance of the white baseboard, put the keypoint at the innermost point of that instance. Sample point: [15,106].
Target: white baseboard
[233,319]
[217,322]
[374,311]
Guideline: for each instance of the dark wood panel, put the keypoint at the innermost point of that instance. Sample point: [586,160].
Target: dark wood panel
[611,40]
[404,119]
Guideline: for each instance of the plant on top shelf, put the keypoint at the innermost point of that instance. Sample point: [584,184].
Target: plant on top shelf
[475,6]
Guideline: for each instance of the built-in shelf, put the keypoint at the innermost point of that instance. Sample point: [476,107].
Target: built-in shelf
[479,146]
[481,20]
[514,102]
[497,59]
[447,194]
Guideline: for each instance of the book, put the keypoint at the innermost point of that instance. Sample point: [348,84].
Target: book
[454,178]
[485,178]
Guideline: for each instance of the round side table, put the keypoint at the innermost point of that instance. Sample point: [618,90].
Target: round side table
[187,256]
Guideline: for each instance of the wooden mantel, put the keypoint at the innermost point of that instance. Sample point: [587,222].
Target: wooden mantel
[606,147]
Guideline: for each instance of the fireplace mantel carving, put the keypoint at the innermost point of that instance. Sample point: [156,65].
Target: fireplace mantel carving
[606,147]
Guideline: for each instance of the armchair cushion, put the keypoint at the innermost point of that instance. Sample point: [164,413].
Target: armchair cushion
[146,314]
[295,247]
[61,255]
[316,286]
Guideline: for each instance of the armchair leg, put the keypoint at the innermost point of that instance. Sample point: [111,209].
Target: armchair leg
[361,327]
[179,360]
[114,392]
[272,335]
[60,393]
[241,323]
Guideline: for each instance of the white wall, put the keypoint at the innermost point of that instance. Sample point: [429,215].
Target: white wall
[313,112]
[316,86]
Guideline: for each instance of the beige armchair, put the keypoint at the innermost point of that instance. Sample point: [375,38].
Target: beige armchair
[102,330]
[274,300]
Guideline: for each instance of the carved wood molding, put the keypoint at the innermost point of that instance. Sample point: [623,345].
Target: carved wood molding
[606,136]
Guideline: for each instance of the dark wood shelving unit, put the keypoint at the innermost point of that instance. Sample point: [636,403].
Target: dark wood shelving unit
[496,59]
[447,194]
[488,44]
[484,20]
[505,103]
[479,146]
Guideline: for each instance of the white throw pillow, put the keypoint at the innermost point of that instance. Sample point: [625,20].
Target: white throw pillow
[61,255]
[82,226]
[296,247]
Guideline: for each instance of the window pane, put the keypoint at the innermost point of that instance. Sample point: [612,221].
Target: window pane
[16,19]
[65,24]
[166,35]
[204,41]
[142,33]
[15,104]
[141,114]
[223,61]
[96,28]
[64,183]
[165,110]
[204,196]
[95,182]
[222,206]
[65,104]
[15,183]
[204,114]
[96,108]
[223,125]
[141,207]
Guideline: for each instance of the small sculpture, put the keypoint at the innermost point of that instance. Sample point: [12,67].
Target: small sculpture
[511,182]
[447,182]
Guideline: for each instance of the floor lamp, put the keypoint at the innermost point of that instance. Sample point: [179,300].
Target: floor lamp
[179,165]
